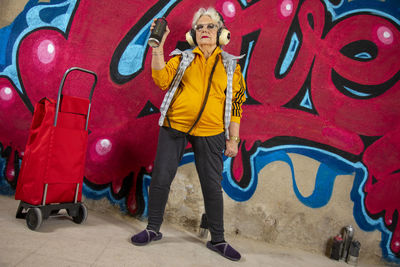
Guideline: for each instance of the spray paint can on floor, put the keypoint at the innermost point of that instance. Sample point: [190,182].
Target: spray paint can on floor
[354,252]
[347,238]
[336,248]
[203,233]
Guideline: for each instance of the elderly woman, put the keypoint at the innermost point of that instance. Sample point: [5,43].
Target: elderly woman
[202,106]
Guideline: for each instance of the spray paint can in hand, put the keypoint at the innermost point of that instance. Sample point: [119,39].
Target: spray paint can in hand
[157,33]
[347,238]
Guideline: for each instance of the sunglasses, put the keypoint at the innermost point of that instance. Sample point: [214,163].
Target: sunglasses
[210,26]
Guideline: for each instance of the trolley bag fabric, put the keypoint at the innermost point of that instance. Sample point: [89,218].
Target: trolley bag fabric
[55,153]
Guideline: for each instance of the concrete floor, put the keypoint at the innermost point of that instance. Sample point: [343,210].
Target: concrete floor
[104,240]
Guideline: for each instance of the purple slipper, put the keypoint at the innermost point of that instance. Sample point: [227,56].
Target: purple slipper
[145,237]
[225,250]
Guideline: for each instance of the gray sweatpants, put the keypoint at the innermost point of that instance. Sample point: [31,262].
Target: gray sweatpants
[209,165]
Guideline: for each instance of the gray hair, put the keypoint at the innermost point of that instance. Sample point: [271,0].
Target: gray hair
[211,12]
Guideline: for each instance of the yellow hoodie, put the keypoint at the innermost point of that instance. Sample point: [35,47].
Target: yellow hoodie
[189,96]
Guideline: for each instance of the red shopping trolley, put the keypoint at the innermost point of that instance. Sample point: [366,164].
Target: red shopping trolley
[52,168]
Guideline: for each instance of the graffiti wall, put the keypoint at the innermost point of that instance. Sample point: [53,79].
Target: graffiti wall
[322,78]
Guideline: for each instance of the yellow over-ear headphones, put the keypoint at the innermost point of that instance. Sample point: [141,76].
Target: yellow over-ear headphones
[223,35]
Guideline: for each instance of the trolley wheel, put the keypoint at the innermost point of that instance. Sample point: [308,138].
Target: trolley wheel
[34,218]
[82,214]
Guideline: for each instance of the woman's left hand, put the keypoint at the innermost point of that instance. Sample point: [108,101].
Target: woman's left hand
[231,149]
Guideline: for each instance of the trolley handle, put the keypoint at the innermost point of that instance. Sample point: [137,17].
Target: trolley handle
[60,92]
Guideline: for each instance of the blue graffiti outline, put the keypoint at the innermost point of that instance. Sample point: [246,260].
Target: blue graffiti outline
[290,53]
[146,185]
[338,11]
[344,8]
[131,59]
[247,61]
[329,163]
[306,101]
[33,20]
[106,192]
[264,156]
[357,195]
[365,222]
[354,92]
[5,188]
[246,65]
